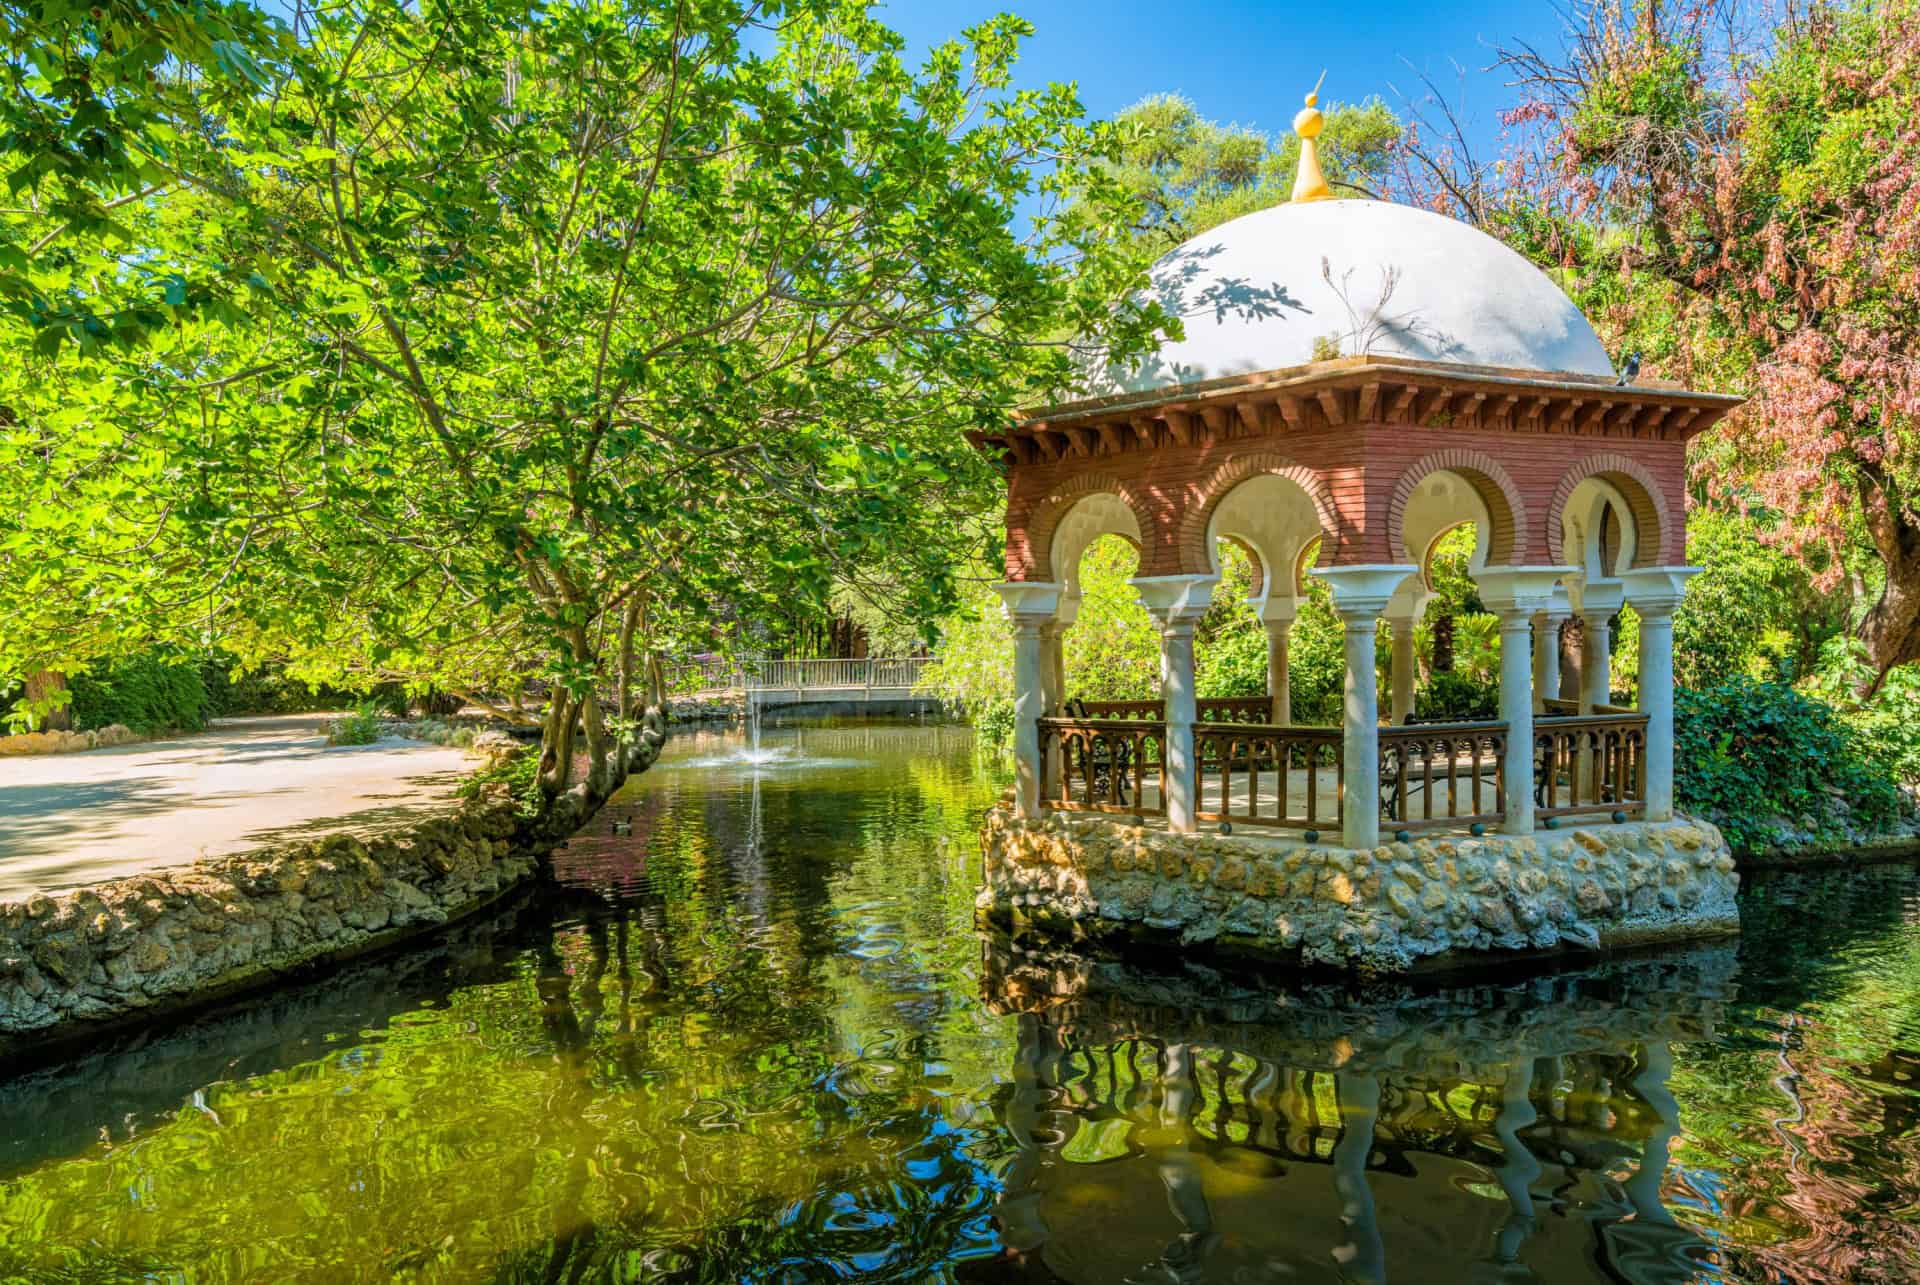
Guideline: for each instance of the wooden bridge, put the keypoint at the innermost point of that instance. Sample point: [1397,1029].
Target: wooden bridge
[890,681]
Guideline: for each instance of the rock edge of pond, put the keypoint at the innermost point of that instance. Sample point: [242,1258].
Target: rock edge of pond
[82,963]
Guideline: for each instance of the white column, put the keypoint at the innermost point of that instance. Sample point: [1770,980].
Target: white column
[1053,688]
[1515,594]
[1596,602]
[1276,616]
[1655,593]
[1279,684]
[1029,606]
[1543,645]
[1596,661]
[1176,604]
[1360,594]
[1029,704]
[1546,650]
[1401,679]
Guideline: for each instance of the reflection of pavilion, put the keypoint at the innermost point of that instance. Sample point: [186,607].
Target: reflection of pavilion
[1181,1127]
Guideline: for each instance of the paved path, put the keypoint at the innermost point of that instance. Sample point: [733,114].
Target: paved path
[73,819]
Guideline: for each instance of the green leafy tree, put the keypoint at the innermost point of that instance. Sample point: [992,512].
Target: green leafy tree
[561,327]
[1191,174]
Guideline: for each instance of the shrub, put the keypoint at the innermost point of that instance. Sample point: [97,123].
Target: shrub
[267,690]
[1748,753]
[1234,664]
[519,773]
[1459,698]
[362,727]
[150,692]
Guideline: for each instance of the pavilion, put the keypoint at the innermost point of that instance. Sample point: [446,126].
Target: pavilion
[1356,379]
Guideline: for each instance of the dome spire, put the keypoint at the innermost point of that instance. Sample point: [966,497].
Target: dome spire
[1309,184]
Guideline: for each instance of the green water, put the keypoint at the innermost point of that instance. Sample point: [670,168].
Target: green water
[758,1039]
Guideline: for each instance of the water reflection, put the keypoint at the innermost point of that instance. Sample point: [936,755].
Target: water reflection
[1185,1126]
[752,1035]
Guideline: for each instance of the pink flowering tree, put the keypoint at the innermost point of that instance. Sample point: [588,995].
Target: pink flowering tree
[1732,189]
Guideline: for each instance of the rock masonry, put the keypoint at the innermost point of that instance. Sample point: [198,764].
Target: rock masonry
[1381,911]
[102,956]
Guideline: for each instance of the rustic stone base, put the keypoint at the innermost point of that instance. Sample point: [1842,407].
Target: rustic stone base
[68,742]
[86,961]
[1436,900]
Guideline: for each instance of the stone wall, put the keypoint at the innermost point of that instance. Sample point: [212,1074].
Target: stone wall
[57,742]
[1378,911]
[79,962]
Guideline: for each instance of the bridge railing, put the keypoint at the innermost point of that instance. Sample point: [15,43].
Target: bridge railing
[892,673]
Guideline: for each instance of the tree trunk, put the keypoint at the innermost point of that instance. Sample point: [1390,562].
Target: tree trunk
[1891,629]
[45,684]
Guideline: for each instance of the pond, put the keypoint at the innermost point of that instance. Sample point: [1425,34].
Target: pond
[754,1036]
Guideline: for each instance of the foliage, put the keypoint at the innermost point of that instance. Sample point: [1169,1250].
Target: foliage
[266,690]
[1317,660]
[1191,174]
[1749,753]
[972,671]
[1734,191]
[1453,695]
[519,773]
[1749,598]
[505,343]
[1112,648]
[150,692]
[1887,717]
[362,727]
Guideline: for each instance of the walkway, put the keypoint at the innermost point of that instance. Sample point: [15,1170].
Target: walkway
[73,819]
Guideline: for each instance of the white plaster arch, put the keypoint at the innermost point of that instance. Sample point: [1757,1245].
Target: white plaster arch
[1581,527]
[1096,514]
[1274,518]
[1442,501]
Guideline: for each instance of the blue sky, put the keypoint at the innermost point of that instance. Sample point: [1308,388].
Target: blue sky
[1249,61]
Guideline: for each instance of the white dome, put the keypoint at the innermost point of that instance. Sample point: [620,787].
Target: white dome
[1302,281]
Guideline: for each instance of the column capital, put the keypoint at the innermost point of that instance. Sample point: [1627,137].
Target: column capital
[1518,592]
[1175,602]
[1559,608]
[1361,592]
[1278,613]
[1595,597]
[1029,604]
[1656,591]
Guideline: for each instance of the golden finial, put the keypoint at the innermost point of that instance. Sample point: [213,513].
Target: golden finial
[1309,184]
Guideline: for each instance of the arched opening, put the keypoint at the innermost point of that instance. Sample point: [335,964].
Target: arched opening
[1455,668]
[1600,532]
[1261,534]
[1110,648]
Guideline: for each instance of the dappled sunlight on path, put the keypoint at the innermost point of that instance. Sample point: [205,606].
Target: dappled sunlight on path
[73,819]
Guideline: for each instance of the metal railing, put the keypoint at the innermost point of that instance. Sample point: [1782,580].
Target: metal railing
[1263,760]
[715,677]
[1103,765]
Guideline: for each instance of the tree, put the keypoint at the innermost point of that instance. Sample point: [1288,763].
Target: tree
[561,326]
[1191,174]
[1739,199]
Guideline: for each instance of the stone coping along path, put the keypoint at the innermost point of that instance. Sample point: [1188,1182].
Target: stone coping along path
[70,820]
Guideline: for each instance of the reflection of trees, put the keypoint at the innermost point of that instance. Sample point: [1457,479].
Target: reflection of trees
[1364,1109]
